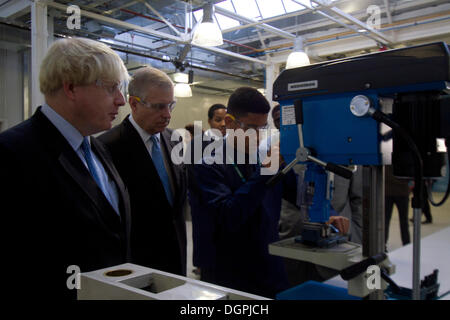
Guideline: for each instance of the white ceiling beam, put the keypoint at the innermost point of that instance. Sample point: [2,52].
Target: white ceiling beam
[232,54]
[383,38]
[341,23]
[13,9]
[161,17]
[128,4]
[388,10]
[255,23]
[130,26]
[280,17]
[118,23]
[326,22]
[411,32]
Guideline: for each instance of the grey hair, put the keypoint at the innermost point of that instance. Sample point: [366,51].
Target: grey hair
[146,78]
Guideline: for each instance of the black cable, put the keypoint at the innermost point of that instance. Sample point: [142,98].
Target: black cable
[430,196]
[418,172]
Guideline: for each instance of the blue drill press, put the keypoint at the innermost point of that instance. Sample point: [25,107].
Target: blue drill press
[333,116]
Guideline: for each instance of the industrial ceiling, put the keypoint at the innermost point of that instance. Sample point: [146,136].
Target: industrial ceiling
[256,33]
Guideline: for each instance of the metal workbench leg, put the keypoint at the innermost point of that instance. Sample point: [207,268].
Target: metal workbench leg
[373,216]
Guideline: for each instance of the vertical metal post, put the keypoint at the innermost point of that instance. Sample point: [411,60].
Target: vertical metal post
[39,37]
[373,216]
[26,84]
[416,254]
[272,72]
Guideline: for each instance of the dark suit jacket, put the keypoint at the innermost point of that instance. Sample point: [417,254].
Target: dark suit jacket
[57,215]
[158,233]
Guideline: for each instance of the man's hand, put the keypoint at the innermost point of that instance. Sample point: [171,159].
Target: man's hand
[341,223]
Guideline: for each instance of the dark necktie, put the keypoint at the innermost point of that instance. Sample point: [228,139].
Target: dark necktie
[159,165]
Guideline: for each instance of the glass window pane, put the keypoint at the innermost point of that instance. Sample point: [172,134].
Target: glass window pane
[270,8]
[226,5]
[198,15]
[225,22]
[247,8]
[292,6]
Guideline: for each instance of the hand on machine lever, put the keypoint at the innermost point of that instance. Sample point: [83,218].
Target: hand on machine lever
[341,223]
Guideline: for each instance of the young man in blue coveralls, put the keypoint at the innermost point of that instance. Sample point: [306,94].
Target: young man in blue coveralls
[236,212]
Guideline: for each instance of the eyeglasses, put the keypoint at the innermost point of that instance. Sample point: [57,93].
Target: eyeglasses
[109,87]
[156,106]
[248,126]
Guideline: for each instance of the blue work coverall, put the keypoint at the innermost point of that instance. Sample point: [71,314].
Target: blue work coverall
[237,215]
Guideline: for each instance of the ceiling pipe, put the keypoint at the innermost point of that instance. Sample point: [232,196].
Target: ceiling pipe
[325,22]
[120,49]
[191,66]
[344,35]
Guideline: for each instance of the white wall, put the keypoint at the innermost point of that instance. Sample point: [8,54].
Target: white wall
[194,108]
[11,88]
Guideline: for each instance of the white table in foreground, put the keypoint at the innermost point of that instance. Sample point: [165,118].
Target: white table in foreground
[434,254]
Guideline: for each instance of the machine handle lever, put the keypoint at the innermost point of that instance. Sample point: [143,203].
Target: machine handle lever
[385,276]
[358,268]
[279,176]
[275,179]
[341,171]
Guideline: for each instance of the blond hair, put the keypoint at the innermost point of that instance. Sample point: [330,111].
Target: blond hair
[147,78]
[79,61]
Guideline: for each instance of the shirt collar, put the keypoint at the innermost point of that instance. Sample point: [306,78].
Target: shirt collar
[70,133]
[145,136]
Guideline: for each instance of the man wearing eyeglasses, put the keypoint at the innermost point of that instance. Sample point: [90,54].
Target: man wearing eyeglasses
[234,212]
[65,207]
[237,213]
[141,147]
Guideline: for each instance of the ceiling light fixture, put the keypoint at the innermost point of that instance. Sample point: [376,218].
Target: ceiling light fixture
[181,77]
[298,57]
[207,33]
[182,88]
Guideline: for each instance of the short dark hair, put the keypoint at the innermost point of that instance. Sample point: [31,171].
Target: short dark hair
[246,99]
[191,128]
[213,109]
[275,109]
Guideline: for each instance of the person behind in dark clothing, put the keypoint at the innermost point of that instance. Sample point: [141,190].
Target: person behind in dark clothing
[141,148]
[426,206]
[396,192]
[276,114]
